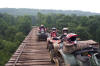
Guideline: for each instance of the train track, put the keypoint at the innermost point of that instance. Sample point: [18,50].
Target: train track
[31,53]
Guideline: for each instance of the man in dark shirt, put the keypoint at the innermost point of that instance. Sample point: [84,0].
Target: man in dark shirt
[65,32]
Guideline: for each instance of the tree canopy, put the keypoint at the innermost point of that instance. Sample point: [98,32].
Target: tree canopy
[87,27]
[12,31]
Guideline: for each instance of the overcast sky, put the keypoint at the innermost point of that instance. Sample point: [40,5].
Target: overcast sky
[84,5]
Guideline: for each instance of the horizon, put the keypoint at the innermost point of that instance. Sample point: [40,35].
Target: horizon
[48,9]
[82,5]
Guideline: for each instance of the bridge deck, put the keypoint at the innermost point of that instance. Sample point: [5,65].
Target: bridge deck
[31,53]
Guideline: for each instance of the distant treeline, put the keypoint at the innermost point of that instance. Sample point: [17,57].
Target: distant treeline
[12,31]
[87,27]
[34,12]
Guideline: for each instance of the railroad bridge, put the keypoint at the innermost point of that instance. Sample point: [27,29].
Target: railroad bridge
[31,52]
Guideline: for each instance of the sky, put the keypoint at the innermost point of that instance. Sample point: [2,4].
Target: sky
[83,5]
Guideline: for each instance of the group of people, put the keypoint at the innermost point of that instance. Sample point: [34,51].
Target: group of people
[69,37]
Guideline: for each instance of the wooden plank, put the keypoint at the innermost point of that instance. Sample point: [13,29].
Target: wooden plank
[34,53]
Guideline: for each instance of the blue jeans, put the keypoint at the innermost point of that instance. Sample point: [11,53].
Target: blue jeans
[61,45]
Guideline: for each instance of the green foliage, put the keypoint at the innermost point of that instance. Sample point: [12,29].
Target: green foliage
[87,27]
[12,32]
[19,36]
